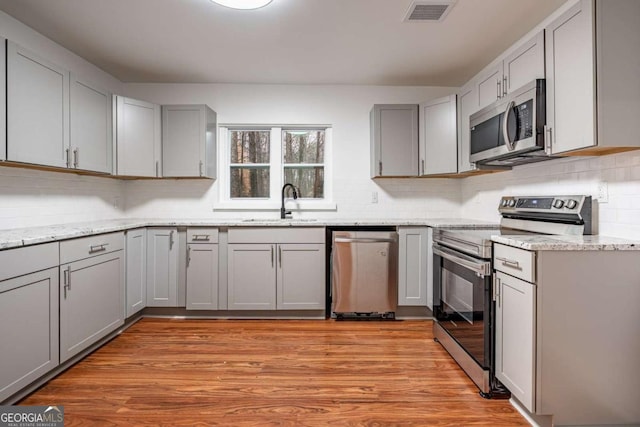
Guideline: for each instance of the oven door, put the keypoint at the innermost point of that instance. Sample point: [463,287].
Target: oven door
[462,301]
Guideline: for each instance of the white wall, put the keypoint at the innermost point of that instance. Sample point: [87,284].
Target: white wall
[345,108]
[619,216]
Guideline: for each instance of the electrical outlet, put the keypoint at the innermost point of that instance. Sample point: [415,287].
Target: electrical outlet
[603,192]
[374,197]
[116,202]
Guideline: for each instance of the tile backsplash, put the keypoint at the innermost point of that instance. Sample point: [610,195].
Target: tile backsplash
[613,181]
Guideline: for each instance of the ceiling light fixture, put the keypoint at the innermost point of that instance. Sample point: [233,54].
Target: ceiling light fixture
[243,4]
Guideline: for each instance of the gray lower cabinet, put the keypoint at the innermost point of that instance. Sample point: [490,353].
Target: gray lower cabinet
[202,276]
[28,316]
[91,292]
[515,337]
[413,272]
[300,283]
[162,267]
[136,267]
[251,277]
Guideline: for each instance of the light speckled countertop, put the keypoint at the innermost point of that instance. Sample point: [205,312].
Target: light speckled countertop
[567,243]
[14,238]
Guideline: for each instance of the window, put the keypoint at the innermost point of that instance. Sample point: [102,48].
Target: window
[255,163]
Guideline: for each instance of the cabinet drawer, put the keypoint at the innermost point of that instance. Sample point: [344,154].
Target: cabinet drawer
[19,261]
[276,235]
[72,250]
[202,235]
[516,262]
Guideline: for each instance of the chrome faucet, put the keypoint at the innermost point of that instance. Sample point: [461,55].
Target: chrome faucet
[283,211]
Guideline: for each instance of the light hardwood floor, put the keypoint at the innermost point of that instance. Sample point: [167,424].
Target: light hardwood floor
[284,373]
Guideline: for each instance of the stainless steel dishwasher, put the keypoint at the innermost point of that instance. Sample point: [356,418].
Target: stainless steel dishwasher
[364,277]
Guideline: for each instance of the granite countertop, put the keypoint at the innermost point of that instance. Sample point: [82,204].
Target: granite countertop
[567,243]
[14,238]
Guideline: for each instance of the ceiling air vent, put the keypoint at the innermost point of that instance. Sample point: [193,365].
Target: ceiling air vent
[428,10]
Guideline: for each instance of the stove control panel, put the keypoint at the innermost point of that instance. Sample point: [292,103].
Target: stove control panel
[549,204]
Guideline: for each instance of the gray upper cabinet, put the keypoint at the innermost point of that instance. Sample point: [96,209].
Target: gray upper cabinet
[92,291]
[28,315]
[162,267]
[489,85]
[138,141]
[91,142]
[394,140]
[136,267]
[188,141]
[524,64]
[467,104]
[593,95]
[3,101]
[438,136]
[37,109]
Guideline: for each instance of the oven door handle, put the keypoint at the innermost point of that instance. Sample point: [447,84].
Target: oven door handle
[483,268]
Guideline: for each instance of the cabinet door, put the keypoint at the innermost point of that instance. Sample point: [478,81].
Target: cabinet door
[515,337]
[438,142]
[162,267]
[412,266]
[394,140]
[569,49]
[91,301]
[136,266]
[489,86]
[28,329]
[3,102]
[202,276]
[138,142]
[37,109]
[91,141]
[467,105]
[183,140]
[525,64]
[301,277]
[251,277]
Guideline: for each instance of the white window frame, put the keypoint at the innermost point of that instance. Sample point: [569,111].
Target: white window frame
[276,172]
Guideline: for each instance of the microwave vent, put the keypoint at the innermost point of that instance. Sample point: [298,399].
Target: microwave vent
[428,11]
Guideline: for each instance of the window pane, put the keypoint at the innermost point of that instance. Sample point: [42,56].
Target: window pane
[309,181]
[249,182]
[250,146]
[303,146]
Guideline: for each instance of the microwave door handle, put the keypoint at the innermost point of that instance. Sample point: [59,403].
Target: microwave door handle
[505,132]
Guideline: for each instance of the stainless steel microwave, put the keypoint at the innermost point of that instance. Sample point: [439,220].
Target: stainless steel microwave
[511,131]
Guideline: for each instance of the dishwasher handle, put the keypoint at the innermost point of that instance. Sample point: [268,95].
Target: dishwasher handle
[483,268]
[363,240]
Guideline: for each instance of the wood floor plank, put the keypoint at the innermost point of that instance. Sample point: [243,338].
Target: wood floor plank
[280,373]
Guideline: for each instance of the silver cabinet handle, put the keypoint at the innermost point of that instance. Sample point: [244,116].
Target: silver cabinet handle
[68,159]
[98,248]
[548,138]
[508,262]
[504,86]
[380,167]
[422,166]
[498,296]
[493,285]
[157,168]
[200,168]
[67,280]
[201,237]
[188,255]
[171,240]
[280,255]
[498,90]
[271,255]
[75,158]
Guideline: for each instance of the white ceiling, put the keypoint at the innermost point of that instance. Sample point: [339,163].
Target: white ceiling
[289,41]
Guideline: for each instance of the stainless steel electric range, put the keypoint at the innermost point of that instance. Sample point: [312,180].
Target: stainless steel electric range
[463,297]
